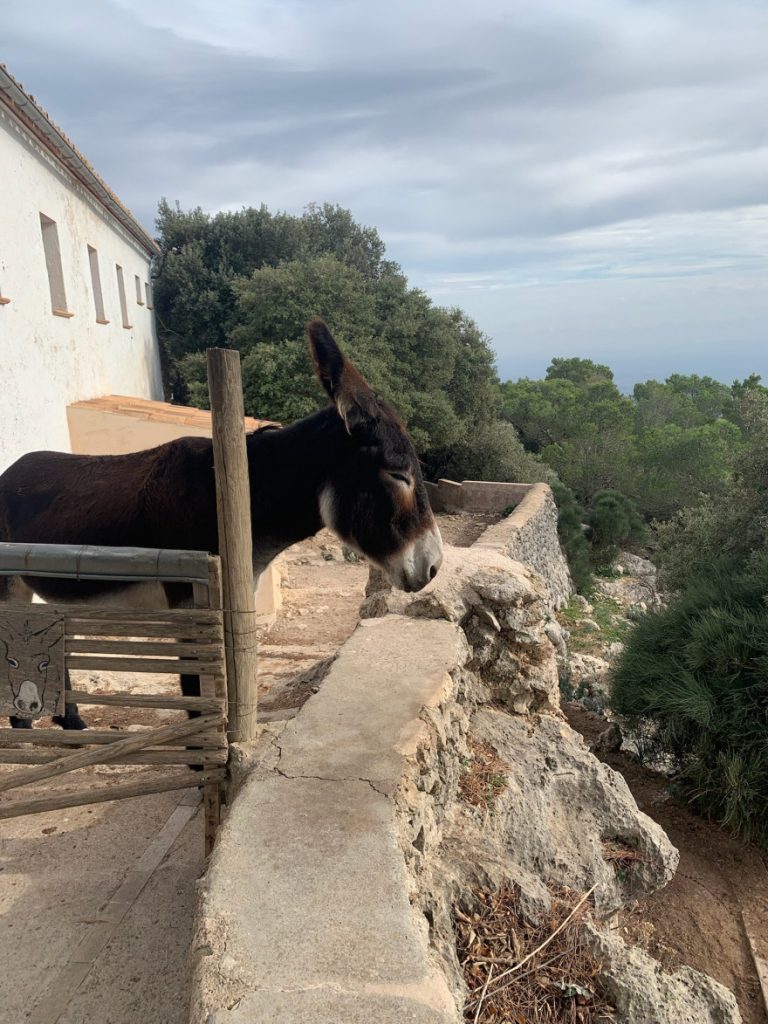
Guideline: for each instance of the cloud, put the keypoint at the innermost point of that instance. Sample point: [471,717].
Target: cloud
[535,148]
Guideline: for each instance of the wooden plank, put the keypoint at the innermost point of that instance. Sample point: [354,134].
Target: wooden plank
[212,814]
[194,756]
[83,758]
[88,737]
[233,506]
[157,783]
[161,666]
[147,700]
[211,596]
[94,614]
[196,632]
[148,649]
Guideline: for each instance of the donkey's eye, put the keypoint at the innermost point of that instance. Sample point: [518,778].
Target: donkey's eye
[401,478]
[12,662]
[43,664]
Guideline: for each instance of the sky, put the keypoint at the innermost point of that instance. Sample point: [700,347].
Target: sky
[583,178]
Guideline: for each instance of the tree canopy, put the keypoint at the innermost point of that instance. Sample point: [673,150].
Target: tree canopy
[251,279]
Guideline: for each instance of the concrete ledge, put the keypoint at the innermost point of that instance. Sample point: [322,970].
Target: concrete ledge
[304,912]
[475,495]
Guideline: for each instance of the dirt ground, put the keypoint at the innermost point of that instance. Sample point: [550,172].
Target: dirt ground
[697,919]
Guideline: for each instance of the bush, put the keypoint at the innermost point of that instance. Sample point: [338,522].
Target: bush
[697,672]
[613,523]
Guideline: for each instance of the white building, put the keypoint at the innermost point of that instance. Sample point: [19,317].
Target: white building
[76,318]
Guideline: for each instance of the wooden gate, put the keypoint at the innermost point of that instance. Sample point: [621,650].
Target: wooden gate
[121,641]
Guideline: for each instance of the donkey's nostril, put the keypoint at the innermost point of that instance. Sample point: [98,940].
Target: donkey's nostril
[432,571]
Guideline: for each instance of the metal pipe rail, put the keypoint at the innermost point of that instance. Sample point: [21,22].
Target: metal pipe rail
[89,562]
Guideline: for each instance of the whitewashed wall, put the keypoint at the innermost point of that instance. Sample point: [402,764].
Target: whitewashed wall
[47,361]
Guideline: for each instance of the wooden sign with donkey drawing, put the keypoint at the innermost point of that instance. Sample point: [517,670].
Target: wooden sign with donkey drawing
[31,664]
[114,648]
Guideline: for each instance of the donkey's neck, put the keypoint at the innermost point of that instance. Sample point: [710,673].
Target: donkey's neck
[288,469]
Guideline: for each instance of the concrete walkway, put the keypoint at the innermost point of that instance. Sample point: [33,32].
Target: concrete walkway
[306,902]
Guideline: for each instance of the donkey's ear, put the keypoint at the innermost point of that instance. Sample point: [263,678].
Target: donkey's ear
[326,355]
[348,389]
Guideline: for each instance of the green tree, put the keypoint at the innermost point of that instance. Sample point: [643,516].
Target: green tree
[613,523]
[696,673]
[677,465]
[580,371]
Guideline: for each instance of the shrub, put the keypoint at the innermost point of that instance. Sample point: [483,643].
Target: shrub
[697,673]
[613,523]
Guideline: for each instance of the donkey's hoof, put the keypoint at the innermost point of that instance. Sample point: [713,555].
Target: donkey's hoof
[70,721]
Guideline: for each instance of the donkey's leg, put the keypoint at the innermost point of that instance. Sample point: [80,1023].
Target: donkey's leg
[179,595]
[71,718]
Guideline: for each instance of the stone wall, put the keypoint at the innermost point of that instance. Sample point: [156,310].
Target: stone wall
[331,891]
[529,535]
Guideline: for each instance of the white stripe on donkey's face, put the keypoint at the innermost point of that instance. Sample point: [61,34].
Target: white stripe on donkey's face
[411,568]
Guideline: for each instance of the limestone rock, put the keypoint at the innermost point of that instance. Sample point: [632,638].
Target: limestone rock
[636,566]
[644,994]
[582,603]
[587,670]
[504,610]
[609,740]
[561,805]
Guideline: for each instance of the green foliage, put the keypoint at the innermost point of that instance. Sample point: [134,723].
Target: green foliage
[614,523]
[698,671]
[580,371]
[675,465]
[732,524]
[664,447]
[614,627]
[251,279]
[573,541]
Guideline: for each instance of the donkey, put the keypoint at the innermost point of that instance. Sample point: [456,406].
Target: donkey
[350,467]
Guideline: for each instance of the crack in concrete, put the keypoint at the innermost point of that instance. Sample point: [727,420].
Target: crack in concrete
[325,778]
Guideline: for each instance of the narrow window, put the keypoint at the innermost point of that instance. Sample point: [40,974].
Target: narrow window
[53,266]
[150,296]
[98,298]
[123,302]
[139,299]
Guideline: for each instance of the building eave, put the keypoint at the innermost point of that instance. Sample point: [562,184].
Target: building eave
[36,120]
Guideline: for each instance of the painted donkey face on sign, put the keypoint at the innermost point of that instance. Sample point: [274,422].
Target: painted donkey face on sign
[30,664]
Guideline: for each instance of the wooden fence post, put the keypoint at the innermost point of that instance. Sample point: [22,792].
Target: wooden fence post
[233,504]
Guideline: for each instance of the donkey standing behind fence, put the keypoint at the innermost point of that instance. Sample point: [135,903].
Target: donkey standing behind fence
[350,467]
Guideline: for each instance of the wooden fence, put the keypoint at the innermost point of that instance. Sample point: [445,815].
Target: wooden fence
[120,640]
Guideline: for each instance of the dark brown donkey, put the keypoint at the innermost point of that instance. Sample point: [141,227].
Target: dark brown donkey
[350,467]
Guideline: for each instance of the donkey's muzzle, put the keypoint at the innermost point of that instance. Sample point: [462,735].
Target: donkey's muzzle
[415,567]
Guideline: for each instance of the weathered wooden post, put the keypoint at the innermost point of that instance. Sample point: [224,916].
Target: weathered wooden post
[233,503]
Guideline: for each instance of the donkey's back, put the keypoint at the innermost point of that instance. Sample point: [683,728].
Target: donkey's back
[162,497]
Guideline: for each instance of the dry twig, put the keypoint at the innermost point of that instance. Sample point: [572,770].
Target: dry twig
[552,977]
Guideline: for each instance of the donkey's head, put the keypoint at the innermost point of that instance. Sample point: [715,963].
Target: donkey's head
[375,499]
